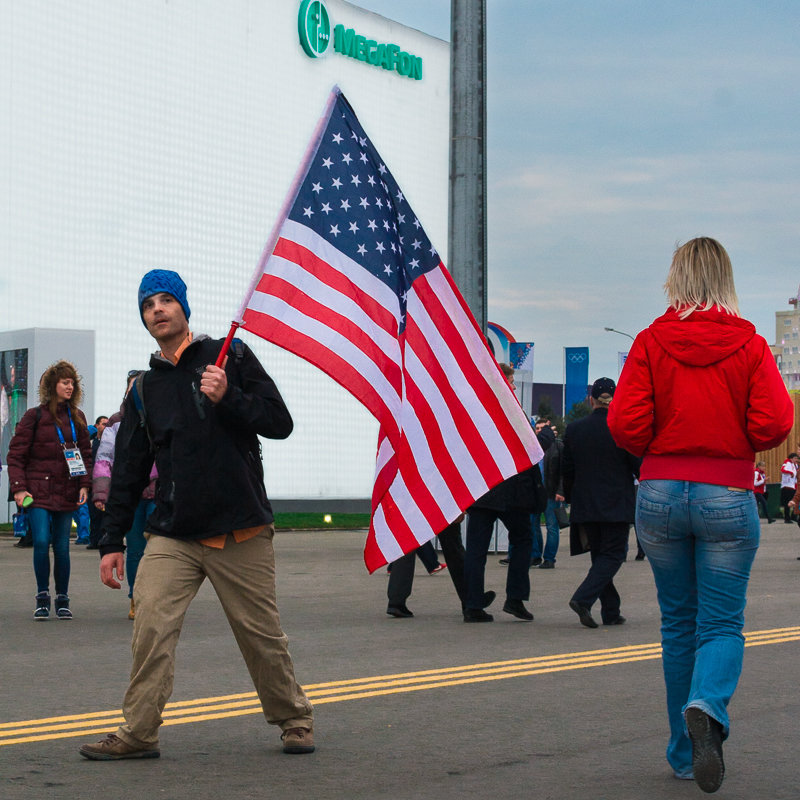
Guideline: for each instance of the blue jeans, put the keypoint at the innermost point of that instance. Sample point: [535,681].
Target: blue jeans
[553,533]
[700,540]
[81,519]
[135,541]
[50,528]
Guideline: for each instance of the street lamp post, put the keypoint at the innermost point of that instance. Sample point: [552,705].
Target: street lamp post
[614,330]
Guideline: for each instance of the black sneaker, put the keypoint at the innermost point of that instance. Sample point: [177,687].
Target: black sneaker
[536,561]
[706,735]
[42,610]
[62,607]
[547,564]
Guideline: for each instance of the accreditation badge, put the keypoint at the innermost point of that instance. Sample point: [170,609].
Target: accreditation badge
[74,462]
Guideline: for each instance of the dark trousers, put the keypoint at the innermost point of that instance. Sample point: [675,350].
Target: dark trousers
[762,504]
[95,521]
[401,578]
[787,493]
[480,526]
[608,546]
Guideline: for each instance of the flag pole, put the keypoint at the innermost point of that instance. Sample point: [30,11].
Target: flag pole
[288,202]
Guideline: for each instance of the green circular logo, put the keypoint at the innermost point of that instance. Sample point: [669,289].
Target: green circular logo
[314,27]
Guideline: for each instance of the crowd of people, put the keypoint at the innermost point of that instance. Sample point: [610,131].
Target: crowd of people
[173,490]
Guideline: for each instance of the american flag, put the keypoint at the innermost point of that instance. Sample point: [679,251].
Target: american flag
[354,286]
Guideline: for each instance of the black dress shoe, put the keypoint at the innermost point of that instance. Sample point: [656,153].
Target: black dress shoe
[399,611]
[706,735]
[477,615]
[584,614]
[503,561]
[620,620]
[517,609]
[547,564]
[488,599]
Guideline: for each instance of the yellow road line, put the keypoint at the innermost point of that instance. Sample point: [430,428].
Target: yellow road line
[233,705]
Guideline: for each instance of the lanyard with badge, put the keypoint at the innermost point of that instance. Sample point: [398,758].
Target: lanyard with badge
[72,454]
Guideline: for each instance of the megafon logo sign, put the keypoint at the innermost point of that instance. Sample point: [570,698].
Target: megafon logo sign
[314,28]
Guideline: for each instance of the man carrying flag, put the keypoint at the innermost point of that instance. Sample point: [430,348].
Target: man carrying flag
[200,423]
[350,282]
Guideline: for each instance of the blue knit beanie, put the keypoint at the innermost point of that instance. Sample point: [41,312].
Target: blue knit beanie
[163,280]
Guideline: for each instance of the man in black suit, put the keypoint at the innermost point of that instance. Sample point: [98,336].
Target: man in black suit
[598,483]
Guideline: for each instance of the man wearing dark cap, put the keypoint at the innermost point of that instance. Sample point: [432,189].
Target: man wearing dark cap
[200,423]
[598,483]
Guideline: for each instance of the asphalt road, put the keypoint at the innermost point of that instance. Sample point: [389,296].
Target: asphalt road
[420,708]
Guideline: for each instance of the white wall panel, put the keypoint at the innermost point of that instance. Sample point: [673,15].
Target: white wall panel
[138,134]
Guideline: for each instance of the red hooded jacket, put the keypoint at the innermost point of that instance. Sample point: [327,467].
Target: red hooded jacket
[698,397]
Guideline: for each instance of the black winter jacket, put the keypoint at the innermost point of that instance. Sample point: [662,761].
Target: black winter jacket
[210,474]
[522,491]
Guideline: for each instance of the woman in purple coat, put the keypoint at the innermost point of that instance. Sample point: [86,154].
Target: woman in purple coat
[50,461]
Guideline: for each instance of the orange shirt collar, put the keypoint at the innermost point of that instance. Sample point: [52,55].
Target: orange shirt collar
[179,352]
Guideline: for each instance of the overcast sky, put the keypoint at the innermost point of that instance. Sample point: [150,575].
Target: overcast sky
[617,129]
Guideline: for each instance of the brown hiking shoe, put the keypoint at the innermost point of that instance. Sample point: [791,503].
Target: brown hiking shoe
[112,748]
[298,740]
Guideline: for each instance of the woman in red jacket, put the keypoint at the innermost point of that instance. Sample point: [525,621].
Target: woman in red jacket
[50,461]
[699,394]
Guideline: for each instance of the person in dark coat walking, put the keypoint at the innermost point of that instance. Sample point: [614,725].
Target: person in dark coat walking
[598,483]
[512,501]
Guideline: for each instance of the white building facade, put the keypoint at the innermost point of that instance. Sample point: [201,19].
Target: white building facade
[165,134]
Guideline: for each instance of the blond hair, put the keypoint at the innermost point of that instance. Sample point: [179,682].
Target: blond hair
[700,278]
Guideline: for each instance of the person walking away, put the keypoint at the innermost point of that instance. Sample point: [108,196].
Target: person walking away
[101,481]
[598,484]
[512,501]
[200,423]
[760,490]
[788,484]
[698,396]
[50,460]
[401,577]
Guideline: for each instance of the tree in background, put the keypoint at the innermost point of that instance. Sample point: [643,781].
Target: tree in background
[578,411]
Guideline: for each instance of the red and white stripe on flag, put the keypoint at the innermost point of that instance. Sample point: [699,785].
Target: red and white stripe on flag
[450,426]
[350,282]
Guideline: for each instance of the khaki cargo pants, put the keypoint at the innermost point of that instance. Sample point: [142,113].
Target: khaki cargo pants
[243,576]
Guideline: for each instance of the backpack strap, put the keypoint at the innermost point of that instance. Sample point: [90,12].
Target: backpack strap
[237,350]
[137,392]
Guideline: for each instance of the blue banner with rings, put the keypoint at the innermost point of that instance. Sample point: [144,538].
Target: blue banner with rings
[576,376]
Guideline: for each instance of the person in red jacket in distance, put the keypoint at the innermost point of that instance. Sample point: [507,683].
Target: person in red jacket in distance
[699,394]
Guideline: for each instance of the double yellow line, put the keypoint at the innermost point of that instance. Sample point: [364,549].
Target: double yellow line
[235,705]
